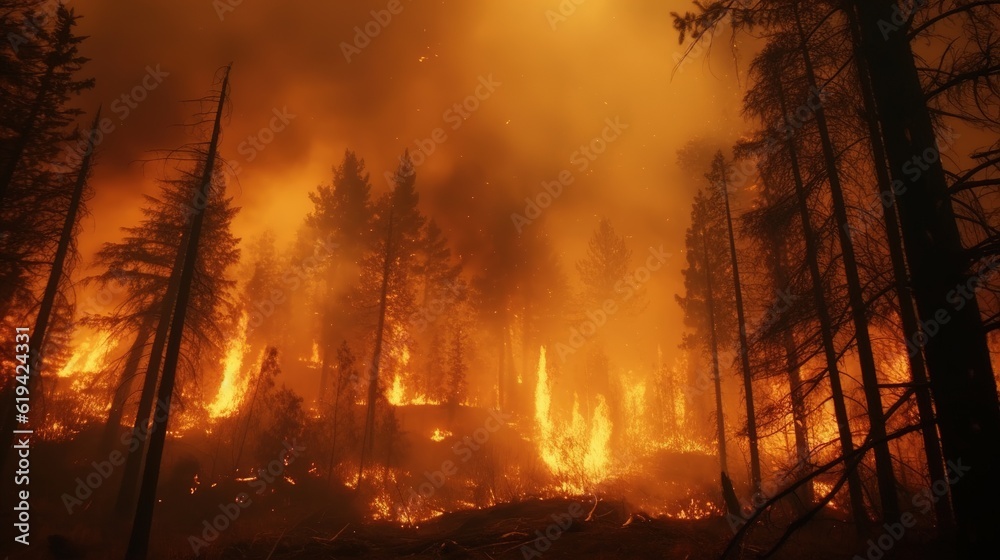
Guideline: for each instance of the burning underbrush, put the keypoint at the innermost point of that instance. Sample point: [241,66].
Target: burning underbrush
[252,454]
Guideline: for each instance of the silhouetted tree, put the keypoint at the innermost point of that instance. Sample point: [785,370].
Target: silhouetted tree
[139,539]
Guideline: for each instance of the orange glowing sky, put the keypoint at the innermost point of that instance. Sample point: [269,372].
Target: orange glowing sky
[607,59]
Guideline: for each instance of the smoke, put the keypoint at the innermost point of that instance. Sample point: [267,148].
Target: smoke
[560,75]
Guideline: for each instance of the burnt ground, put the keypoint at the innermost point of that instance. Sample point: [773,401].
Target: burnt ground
[316,520]
[531,529]
[517,531]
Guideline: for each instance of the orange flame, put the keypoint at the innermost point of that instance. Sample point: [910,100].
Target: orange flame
[579,453]
[228,396]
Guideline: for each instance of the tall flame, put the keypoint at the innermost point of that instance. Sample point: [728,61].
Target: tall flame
[578,452]
[229,391]
[89,356]
[396,395]
[598,457]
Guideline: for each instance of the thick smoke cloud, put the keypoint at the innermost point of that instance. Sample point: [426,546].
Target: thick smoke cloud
[563,74]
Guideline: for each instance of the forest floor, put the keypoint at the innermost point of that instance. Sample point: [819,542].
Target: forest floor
[556,528]
[559,529]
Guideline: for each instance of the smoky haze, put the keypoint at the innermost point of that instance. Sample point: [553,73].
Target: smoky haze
[561,80]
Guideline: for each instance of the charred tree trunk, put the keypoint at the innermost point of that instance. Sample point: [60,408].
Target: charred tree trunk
[368,439]
[826,327]
[336,426]
[324,375]
[720,421]
[139,540]
[744,347]
[47,305]
[132,362]
[778,264]
[901,278]
[869,375]
[957,355]
[253,403]
[145,413]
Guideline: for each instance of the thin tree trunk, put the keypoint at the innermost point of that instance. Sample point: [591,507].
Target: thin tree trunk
[324,376]
[125,504]
[132,362]
[792,370]
[253,402]
[720,422]
[368,441]
[869,375]
[138,545]
[336,425]
[744,347]
[854,488]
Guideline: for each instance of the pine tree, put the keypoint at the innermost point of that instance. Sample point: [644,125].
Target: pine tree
[388,272]
[38,345]
[967,405]
[457,369]
[264,293]
[718,178]
[341,218]
[341,414]
[700,303]
[139,540]
[38,82]
[261,391]
[440,291]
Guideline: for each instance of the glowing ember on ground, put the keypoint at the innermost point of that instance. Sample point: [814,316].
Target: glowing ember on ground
[440,435]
